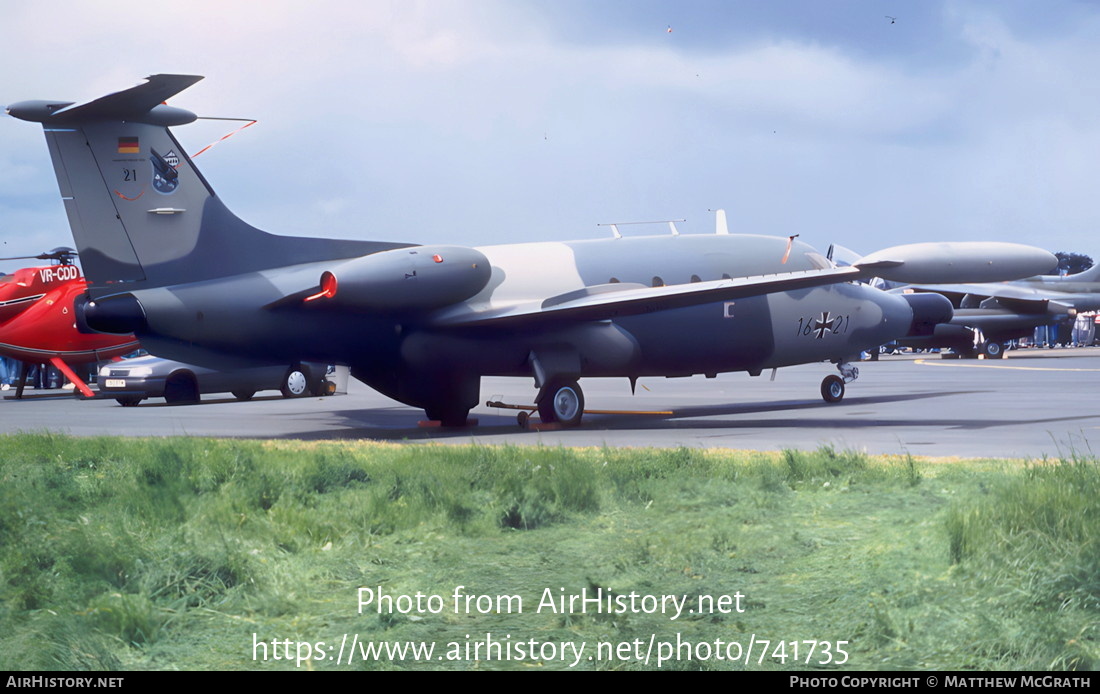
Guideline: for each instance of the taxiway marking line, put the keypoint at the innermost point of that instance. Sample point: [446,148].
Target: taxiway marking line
[925,362]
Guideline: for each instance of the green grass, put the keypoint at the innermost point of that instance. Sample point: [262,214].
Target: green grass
[176,554]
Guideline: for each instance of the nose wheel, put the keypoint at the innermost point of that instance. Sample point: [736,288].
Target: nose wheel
[832,387]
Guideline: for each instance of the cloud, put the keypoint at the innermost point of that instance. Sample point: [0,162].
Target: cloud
[482,122]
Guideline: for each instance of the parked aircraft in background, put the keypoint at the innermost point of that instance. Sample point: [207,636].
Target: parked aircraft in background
[987,315]
[422,324]
[38,323]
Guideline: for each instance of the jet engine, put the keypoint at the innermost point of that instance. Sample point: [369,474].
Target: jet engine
[929,310]
[419,278]
[115,315]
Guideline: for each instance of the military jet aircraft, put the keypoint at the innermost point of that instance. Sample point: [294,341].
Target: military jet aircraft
[987,315]
[422,324]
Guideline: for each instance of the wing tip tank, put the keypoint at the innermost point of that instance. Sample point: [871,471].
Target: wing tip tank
[959,261]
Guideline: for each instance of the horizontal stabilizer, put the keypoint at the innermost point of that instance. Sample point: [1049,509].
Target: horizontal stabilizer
[136,100]
[131,104]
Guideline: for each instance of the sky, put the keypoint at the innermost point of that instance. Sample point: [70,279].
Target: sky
[868,123]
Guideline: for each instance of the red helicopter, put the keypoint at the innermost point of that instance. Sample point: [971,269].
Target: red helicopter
[37,321]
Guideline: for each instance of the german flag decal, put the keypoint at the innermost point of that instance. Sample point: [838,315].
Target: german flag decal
[128,145]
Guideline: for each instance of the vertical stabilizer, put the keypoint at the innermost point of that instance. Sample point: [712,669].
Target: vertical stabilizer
[141,213]
[1089,274]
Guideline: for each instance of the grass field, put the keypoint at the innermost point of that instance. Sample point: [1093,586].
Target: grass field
[183,553]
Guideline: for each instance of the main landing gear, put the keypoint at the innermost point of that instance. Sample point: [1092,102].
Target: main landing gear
[832,387]
[993,349]
[561,401]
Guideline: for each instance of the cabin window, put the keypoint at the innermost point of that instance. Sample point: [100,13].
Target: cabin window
[658,282]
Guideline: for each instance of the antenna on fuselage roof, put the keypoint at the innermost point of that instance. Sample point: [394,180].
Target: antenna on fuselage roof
[720,226]
[617,234]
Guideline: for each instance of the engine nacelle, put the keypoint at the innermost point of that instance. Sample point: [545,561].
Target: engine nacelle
[419,278]
[929,311]
[120,314]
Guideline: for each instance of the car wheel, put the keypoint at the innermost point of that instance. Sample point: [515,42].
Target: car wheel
[181,389]
[295,383]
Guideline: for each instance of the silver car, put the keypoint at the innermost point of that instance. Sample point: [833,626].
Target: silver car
[132,380]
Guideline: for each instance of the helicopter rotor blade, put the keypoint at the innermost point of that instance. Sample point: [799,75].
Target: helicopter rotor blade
[60,253]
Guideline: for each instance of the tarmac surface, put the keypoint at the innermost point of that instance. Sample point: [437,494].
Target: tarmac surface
[1032,404]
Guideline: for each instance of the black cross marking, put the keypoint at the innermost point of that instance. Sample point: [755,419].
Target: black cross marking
[823,325]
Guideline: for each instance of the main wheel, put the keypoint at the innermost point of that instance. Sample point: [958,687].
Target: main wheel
[295,382]
[562,402]
[993,350]
[832,388]
[243,395]
[181,389]
[128,401]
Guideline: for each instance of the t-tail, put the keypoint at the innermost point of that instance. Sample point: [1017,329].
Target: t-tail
[141,214]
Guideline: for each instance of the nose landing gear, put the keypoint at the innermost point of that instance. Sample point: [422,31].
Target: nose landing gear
[832,387]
